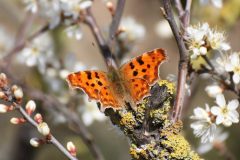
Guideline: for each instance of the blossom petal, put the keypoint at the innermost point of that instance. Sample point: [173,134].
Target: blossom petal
[235,59]
[219,119]
[227,123]
[220,100]
[233,104]
[229,67]
[215,110]
[236,78]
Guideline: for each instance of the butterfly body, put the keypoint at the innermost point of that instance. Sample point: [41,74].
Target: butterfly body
[130,84]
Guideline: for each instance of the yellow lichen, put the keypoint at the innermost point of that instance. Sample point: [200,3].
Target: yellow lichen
[128,121]
[180,148]
[140,114]
[170,86]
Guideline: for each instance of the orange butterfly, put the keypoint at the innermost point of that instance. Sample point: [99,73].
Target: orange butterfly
[128,85]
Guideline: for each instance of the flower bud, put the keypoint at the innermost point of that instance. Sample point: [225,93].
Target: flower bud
[35,142]
[3,108]
[15,120]
[17,92]
[30,107]
[3,76]
[71,148]
[110,7]
[38,118]
[2,95]
[213,90]
[3,80]
[43,129]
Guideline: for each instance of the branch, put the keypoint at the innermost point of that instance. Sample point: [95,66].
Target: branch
[9,95]
[51,102]
[53,140]
[73,120]
[183,62]
[116,19]
[103,46]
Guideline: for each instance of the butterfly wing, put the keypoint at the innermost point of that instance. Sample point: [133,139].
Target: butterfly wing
[96,85]
[144,67]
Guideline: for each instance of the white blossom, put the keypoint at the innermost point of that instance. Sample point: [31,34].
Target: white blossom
[203,126]
[90,112]
[226,113]
[202,38]
[163,29]
[213,90]
[73,7]
[220,137]
[51,11]
[133,31]
[74,31]
[38,52]
[233,65]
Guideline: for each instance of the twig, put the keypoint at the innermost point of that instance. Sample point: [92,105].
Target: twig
[53,140]
[103,46]
[51,102]
[73,120]
[179,7]
[183,62]
[116,19]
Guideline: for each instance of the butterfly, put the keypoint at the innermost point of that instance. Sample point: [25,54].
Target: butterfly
[129,84]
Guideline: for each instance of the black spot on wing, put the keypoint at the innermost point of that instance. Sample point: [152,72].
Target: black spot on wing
[140,61]
[89,75]
[135,73]
[96,75]
[100,83]
[132,65]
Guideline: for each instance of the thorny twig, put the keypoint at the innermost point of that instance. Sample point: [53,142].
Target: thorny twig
[183,62]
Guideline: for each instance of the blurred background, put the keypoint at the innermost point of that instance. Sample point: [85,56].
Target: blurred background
[63,53]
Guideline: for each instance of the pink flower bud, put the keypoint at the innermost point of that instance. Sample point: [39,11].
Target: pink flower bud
[72,149]
[35,142]
[43,129]
[38,118]
[30,107]
[3,108]
[15,120]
